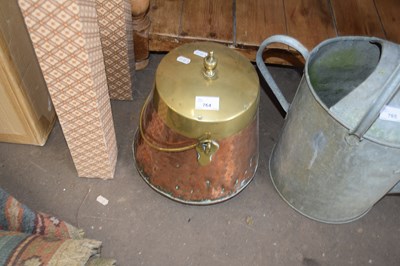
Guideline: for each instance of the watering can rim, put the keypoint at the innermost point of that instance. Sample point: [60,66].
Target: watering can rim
[369,118]
[383,45]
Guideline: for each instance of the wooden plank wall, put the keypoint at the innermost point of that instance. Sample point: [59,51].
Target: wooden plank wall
[267,18]
[243,24]
[389,11]
[165,24]
[302,18]
[357,17]
[207,19]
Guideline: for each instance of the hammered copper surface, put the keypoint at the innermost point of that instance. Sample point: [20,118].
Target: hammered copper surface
[178,174]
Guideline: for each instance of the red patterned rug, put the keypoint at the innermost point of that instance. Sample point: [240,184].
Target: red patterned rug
[34,238]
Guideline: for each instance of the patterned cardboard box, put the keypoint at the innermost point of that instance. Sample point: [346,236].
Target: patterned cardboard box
[116,35]
[65,35]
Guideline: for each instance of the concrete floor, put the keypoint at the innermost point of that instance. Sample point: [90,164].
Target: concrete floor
[142,227]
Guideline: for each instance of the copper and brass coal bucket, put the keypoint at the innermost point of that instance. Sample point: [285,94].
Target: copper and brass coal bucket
[197,140]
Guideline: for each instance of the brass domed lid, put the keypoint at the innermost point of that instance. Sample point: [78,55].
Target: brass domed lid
[206,89]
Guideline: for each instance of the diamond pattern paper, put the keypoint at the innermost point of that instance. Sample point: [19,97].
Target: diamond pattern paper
[116,35]
[66,38]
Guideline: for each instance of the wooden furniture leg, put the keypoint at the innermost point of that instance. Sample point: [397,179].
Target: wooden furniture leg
[141,26]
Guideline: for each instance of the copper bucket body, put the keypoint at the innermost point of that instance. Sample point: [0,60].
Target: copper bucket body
[167,145]
[179,176]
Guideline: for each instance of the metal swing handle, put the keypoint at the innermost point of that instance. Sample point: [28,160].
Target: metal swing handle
[156,146]
[391,87]
[205,147]
[264,71]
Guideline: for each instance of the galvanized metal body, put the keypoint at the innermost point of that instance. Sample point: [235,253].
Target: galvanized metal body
[335,158]
[199,155]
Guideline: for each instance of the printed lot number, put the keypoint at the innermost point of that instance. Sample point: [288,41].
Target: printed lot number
[390,114]
[207,103]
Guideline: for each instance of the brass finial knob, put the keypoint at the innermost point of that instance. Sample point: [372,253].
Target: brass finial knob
[210,64]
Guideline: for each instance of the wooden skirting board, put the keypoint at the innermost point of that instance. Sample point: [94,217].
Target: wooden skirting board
[243,24]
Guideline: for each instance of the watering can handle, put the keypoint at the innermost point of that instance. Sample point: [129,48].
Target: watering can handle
[391,87]
[264,71]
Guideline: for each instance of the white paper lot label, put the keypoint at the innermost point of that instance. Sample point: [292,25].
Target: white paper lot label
[200,53]
[207,103]
[390,114]
[183,60]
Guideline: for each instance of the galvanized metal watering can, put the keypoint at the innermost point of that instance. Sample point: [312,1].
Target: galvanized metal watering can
[339,151]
